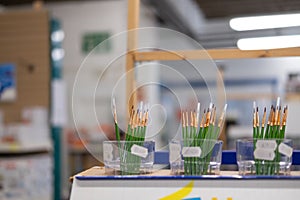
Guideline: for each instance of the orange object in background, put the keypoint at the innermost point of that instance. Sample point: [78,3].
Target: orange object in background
[73,138]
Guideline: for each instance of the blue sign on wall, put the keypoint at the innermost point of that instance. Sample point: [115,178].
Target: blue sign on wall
[7,82]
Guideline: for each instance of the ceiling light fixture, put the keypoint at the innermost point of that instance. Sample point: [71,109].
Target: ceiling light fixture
[264,22]
[274,42]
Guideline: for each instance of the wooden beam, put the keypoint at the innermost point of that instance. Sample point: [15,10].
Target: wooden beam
[216,54]
[292,96]
[251,96]
[132,24]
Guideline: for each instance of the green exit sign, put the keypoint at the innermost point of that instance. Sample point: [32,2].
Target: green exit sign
[92,40]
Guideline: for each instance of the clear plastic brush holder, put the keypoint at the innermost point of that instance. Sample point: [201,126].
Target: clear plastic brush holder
[128,157]
[195,156]
[266,157]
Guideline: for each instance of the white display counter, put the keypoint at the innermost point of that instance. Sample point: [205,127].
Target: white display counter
[94,184]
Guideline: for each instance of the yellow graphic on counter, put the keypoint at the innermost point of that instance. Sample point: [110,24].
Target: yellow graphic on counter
[180,194]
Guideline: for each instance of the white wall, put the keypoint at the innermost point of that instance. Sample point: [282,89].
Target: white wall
[78,18]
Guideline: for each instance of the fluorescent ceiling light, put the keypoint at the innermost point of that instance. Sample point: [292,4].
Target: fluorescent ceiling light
[264,22]
[274,42]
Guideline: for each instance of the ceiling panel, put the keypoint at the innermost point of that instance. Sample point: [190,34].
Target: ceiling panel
[230,8]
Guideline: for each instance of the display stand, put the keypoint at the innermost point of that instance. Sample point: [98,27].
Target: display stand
[94,184]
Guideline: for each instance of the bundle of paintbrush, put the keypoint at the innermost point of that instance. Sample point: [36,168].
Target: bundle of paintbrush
[200,139]
[268,137]
[131,149]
